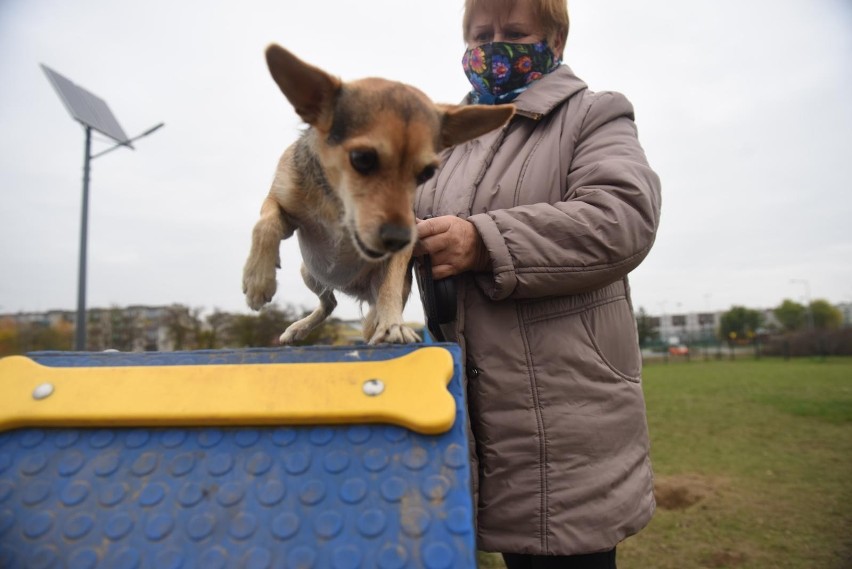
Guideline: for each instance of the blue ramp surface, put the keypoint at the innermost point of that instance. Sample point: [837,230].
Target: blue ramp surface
[314,496]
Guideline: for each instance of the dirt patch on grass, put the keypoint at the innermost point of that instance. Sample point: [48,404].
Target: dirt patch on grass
[681,491]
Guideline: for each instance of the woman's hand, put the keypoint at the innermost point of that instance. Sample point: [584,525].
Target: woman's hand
[453,244]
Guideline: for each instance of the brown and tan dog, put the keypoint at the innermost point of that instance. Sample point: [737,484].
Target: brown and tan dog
[347,185]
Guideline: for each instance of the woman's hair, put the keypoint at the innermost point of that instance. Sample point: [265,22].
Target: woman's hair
[551,14]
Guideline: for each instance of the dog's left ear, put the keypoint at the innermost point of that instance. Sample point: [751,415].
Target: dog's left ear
[309,89]
[460,123]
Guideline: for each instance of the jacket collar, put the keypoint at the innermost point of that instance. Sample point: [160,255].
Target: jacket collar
[547,93]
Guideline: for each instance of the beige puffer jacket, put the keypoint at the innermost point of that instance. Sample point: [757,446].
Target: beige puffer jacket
[567,206]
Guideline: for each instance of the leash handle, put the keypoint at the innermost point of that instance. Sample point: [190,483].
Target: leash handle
[439,297]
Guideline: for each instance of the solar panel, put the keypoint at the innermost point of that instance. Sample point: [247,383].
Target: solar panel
[85,107]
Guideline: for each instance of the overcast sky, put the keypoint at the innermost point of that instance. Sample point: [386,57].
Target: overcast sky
[744,109]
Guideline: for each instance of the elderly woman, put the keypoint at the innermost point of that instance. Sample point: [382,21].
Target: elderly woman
[538,224]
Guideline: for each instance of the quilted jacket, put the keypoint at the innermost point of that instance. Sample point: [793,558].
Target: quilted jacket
[567,206]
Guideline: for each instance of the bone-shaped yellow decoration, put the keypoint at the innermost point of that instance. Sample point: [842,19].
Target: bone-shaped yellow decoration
[409,391]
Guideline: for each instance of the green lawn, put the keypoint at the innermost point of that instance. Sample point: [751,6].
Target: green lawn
[753,463]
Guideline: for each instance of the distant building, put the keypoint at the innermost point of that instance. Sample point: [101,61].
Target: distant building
[690,327]
[152,328]
[133,329]
[845,309]
[685,328]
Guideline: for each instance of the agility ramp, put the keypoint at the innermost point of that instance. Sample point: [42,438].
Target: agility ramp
[300,458]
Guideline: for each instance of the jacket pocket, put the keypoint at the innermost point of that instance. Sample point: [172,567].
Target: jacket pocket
[612,331]
[591,336]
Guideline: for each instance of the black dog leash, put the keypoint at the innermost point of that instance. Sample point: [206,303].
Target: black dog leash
[439,297]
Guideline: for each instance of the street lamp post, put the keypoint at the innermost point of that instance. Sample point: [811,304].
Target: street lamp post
[93,113]
[80,327]
[808,312]
[664,331]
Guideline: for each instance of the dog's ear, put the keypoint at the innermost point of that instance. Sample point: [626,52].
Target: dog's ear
[309,89]
[460,123]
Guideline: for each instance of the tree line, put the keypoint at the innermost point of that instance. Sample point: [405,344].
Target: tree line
[175,327]
[796,329]
[179,327]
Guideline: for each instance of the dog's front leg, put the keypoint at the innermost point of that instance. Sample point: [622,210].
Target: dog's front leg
[300,329]
[384,321]
[259,282]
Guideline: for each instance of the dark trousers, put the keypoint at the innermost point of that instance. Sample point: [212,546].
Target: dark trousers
[602,560]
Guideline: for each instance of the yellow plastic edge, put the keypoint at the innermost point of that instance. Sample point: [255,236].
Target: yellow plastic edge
[414,394]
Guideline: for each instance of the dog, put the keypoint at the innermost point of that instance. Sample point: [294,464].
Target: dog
[346,187]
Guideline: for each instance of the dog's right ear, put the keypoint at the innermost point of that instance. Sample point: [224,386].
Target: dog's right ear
[309,89]
[460,123]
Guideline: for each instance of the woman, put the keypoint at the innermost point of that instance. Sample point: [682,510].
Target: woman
[539,224]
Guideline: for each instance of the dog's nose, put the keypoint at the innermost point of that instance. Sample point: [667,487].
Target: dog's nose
[394,237]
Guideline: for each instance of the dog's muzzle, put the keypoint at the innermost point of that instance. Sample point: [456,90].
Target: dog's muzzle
[394,237]
[366,251]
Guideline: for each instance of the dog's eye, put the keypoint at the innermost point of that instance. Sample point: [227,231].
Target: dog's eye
[425,174]
[364,161]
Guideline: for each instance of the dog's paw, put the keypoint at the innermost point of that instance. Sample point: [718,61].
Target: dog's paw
[295,332]
[394,333]
[259,288]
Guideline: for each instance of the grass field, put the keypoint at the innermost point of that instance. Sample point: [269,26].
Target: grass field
[753,464]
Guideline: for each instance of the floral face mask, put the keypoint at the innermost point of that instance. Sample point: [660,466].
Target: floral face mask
[500,71]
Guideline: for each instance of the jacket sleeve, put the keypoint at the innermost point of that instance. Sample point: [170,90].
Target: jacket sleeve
[603,228]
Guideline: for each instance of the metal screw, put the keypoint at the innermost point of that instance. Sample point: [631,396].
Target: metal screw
[43,391]
[373,387]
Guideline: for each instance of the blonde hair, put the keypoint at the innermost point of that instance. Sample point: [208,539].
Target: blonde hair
[551,14]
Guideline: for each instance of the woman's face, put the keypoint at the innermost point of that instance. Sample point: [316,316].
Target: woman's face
[518,25]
